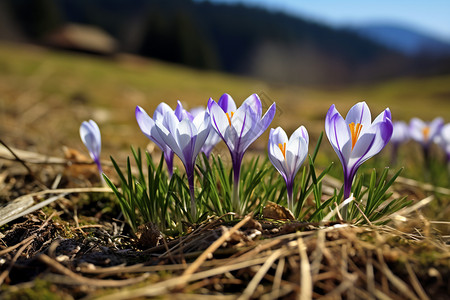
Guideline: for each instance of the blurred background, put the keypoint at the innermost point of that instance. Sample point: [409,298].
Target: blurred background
[65,61]
[295,42]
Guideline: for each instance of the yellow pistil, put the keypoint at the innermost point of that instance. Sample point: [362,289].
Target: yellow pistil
[355,130]
[229,116]
[426,132]
[283,149]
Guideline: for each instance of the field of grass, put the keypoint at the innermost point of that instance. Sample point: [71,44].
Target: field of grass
[48,94]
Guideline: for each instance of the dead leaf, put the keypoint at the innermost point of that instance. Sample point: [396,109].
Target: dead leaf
[277,212]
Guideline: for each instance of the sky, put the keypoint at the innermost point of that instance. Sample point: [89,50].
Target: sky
[427,16]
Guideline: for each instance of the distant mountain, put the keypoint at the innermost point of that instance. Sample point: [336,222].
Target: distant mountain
[405,40]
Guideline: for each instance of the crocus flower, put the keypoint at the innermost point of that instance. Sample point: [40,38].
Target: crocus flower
[400,135]
[147,126]
[356,139]
[424,133]
[90,135]
[443,140]
[185,137]
[181,113]
[239,128]
[287,155]
[213,138]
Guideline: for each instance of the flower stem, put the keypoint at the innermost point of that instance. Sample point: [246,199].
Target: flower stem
[235,201]
[100,172]
[427,162]
[169,162]
[190,176]
[347,192]
[290,198]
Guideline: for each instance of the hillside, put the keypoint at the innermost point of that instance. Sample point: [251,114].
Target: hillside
[38,85]
[233,38]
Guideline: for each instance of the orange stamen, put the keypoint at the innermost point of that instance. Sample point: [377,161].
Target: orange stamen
[283,149]
[426,132]
[229,116]
[355,131]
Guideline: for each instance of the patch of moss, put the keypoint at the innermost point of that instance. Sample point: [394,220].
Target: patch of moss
[40,289]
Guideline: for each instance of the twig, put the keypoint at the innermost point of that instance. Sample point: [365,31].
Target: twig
[363,214]
[425,186]
[13,261]
[9,249]
[397,282]
[278,277]
[25,244]
[317,255]
[305,271]
[163,287]
[415,283]
[214,246]
[78,279]
[400,215]
[251,287]
[336,211]
[370,277]
[40,183]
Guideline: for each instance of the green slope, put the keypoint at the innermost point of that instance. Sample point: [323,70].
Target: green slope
[46,94]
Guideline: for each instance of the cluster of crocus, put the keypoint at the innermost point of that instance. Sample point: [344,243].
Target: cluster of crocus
[180,133]
[356,138]
[187,133]
[90,135]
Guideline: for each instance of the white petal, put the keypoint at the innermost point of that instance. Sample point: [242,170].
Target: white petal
[359,114]
[170,122]
[445,133]
[416,127]
[144,121]
[160,111]
[278,136]
[243,121]
[184,134]
[227,103]
[296,151]
[338,134]
[219,119]
[168,138]
[90,135]
[203,126]
[277,159]
[254,103]
[435,127]
[301,132]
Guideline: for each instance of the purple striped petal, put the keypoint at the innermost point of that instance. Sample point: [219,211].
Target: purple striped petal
[227,103]
[91,137]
